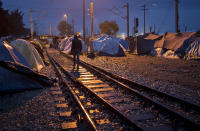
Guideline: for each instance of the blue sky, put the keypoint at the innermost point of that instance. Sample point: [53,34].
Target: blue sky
[161,13]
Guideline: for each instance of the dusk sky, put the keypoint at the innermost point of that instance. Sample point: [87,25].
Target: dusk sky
[161,13]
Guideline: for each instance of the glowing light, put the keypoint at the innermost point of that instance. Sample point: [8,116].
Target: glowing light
[123,36]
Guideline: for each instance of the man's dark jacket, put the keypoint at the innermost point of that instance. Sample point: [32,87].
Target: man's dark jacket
[76,46]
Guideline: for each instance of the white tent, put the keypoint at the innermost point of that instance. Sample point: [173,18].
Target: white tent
[157,52]
[15,72]
[66,44]
[170,54]
[193,51]
[10,54]
[108,46]
[29,53]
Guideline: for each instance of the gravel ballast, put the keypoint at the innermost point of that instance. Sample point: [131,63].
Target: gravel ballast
[175,76]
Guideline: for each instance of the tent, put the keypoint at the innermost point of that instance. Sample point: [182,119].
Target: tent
[124,43]
[29,53]
[143,44]
[174,41]
[157,52]
[103,37]
[151,36]
[66,44]
[38,47]
[170,54]
[10,54]
[108,46]
[177,43]
[193,51]
[15,72]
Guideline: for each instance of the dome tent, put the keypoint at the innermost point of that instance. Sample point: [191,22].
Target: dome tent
[66,44]
[15,72]
[29,53]
[38,47]
[108,46]
[8,53]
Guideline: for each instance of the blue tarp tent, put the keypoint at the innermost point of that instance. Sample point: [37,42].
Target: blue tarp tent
[124,43]
[108,46]
[193,51]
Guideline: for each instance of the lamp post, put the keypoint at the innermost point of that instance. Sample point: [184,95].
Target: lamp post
[65,16]
[91,12]
[84,20]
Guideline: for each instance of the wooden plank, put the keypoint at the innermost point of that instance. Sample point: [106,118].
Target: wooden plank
[97,86]
[64,105]
[87,75]
[103,90]
[56,92]
[65,114]
[87,78]
[59,99]
[92,82]
[69,125]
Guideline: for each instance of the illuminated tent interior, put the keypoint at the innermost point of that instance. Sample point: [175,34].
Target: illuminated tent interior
[15,72]
[29,52]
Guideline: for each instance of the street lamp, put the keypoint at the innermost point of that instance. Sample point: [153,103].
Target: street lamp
[65,16]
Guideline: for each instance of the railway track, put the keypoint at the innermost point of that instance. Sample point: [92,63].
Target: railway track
[96,111]
[139,107]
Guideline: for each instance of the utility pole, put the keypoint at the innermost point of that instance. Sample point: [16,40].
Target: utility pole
[35,25]
[31,21]
[176,17]
[144,9]
[73,26]
[150,29]
[91,12]
[84,20]
[127,18]
[50,30]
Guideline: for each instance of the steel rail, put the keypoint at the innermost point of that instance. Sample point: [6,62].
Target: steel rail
[122,115]
[129,82]
[189,121]
[59,74]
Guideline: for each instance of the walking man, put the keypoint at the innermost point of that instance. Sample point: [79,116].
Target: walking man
[76,49]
